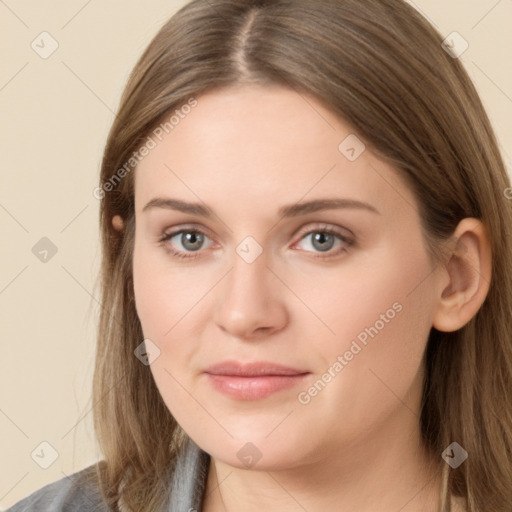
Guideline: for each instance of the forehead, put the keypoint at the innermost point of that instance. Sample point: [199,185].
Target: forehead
[250,146]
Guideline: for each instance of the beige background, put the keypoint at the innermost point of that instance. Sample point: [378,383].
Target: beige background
[56,114]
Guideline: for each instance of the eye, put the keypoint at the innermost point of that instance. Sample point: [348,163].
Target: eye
[326,240]
[185,242]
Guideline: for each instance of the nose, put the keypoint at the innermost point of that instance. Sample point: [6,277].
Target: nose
[250,301]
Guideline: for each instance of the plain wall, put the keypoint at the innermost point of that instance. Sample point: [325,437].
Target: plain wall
[56,114]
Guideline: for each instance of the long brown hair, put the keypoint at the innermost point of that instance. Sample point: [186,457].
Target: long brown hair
[381,67]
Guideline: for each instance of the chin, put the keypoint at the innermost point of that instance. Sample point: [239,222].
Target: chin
[256,452]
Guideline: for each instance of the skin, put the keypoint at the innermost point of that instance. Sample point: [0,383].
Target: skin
[356,445]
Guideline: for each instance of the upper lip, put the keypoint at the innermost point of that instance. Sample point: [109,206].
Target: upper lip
[254,369]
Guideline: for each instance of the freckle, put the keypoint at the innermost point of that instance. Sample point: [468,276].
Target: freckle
[117,222]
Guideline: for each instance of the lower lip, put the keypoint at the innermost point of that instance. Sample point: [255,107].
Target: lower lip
[253,388]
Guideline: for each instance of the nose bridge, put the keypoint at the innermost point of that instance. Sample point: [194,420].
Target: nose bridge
[249,302]
[247,279]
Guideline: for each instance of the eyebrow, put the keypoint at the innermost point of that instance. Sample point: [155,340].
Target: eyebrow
[292,210]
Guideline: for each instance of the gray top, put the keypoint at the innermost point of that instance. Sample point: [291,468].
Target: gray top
[77,493]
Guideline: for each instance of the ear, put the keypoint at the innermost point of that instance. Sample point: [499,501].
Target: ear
[117,222]
[465,277]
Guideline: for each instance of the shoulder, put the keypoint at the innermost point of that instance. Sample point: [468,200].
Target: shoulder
[76,492]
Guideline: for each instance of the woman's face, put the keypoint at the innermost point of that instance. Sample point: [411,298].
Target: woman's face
[333,304]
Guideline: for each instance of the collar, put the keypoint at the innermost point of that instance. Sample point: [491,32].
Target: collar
[189,479]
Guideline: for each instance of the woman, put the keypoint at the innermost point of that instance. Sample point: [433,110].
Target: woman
[306,297]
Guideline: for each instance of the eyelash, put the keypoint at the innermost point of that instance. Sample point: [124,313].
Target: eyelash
[322,229]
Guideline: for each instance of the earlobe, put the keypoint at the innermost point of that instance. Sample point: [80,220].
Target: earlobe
[468,269]
[117,222]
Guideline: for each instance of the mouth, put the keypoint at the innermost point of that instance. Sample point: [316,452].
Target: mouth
[253,381]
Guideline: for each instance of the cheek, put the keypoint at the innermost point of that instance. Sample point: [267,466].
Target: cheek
[381,315]
[388,290]
[148,298]
[165,300]
[165,295]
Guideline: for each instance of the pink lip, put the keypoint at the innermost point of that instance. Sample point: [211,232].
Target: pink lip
[252,381]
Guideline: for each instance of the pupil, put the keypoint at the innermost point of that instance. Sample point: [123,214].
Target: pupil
[322,238]
[193,241]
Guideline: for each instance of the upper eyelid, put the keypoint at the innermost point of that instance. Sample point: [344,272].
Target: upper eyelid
[324,226]
[172,232]
[309,227]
